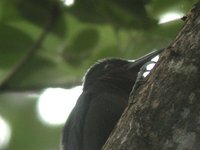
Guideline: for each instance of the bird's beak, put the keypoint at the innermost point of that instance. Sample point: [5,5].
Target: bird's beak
[142,60]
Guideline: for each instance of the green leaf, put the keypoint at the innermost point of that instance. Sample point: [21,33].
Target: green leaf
[118,13]
[82,46]
[108,51]
[41,72]
[45,13]
[8,11]
[37,72]
[14,43]
[85,41]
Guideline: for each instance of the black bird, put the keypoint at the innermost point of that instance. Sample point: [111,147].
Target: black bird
[106,88]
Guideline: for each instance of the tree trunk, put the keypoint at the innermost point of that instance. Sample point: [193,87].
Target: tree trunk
[165,114]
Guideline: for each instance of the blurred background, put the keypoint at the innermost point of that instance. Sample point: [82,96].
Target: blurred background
[46,47]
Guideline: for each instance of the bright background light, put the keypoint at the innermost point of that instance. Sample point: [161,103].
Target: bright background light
[55,104]
[170,17]
[5,133]
[68,2]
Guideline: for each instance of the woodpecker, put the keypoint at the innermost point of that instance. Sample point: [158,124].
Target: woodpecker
[106,88]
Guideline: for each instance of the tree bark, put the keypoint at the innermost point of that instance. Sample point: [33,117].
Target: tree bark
[165,114]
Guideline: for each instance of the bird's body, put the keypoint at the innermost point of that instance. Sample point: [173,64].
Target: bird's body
[106,90]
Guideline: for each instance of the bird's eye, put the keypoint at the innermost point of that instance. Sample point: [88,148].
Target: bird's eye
[107,66]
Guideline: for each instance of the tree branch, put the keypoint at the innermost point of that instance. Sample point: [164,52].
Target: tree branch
[66,85]
[166,111]
[33,50]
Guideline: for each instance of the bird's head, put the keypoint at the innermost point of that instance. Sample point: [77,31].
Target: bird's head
[114,71]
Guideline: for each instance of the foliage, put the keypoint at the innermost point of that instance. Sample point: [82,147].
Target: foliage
[89,29]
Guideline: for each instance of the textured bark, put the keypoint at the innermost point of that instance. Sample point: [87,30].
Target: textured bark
[165,114]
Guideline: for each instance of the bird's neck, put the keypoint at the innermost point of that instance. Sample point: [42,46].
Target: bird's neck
[111,85]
